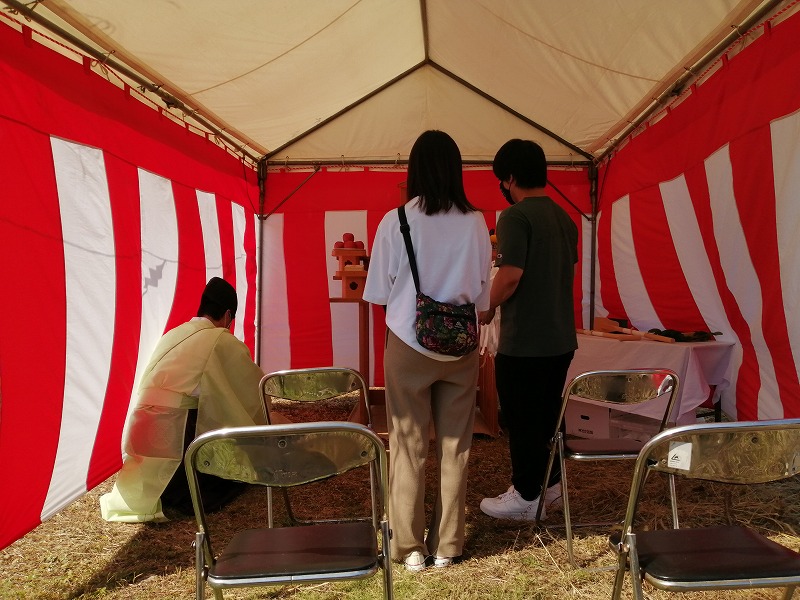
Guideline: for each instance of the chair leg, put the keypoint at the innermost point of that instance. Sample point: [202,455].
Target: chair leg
[636,574]
[565,501]
[386,563]
[292,519]
[789,592]
[201,568]
[673,500]
[269,507]
[622,566]
[199,580]
[373,494]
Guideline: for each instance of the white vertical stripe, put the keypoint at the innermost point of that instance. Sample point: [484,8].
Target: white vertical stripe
[90,267]
[209,223]
[786,171]
[688,241]
[159,232]
[274,336]
[740,274]
[240,259]
[586,272]
[599,309]
[632,290]
[344,317]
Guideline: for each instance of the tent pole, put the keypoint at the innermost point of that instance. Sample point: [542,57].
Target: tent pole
[593,249]
[262,191]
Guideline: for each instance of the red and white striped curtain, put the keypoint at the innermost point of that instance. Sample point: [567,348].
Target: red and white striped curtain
[300,326]
[699,221]
[112,219]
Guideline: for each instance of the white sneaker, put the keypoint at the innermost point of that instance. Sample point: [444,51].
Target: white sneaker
[510,505]
[414,561]
[440,562]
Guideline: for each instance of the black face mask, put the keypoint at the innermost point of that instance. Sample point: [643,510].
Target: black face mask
[506,194]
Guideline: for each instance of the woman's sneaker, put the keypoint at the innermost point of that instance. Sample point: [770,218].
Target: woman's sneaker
[414,561]
[441,562]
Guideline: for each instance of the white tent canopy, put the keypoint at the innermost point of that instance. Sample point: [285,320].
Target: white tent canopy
[358,80]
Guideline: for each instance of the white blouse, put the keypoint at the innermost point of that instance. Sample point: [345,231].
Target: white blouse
[453,255]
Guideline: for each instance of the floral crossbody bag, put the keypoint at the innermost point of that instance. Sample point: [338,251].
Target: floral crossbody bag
[441,327]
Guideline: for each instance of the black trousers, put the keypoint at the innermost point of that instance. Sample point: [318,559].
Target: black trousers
[530,391]
[216,492]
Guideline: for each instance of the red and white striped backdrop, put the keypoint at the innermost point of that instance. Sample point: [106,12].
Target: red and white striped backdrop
[699,222]
[111,221]
[300,326]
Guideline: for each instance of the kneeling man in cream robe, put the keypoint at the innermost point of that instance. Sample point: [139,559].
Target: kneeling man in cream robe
[200,377]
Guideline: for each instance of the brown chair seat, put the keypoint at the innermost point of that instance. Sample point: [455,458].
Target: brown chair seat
[732,552]
[712,557]
[302,550]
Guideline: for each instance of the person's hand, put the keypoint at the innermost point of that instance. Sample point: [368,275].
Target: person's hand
[485,316]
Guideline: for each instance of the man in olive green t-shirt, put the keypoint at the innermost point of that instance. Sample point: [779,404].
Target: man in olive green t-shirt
[536,256]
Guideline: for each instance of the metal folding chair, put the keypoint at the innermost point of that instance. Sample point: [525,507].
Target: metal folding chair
[733,555]
[306,388]
[350,546]
[312,385]
[610,389]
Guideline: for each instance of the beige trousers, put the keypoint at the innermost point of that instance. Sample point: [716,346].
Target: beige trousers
[421,390]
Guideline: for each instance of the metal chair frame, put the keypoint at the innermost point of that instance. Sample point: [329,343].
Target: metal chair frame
[731,556]
[612,389]
[284,456]
[309,386]
[314,384]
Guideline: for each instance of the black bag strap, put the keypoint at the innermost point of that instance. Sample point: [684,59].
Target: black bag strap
[406,231]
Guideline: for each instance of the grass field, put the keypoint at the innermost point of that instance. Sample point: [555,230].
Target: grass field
[76,555]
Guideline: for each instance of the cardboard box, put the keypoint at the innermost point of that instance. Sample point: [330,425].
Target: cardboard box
[630,426]
[585,420]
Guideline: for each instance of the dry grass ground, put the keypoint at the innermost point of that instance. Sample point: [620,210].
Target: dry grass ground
[76,555]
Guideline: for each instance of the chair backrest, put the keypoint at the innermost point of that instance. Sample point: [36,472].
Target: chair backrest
[743,452]
[285,456]
[313,385]
[626,387]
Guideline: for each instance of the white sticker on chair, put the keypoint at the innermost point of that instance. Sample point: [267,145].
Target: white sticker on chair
[680,455]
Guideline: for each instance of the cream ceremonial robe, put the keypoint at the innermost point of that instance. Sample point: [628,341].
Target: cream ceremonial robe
[195,365]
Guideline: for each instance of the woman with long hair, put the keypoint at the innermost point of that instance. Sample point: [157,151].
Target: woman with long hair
[425,388]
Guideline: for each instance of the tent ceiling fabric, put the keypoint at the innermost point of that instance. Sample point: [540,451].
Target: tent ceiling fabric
[358,80]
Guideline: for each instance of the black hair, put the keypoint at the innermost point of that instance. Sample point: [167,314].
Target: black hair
[209,308]
[218,296]
[435,174]
[524,160]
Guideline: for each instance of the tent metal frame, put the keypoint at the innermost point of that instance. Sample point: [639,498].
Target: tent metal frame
[130,68]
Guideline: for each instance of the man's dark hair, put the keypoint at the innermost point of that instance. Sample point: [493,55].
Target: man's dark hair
[435,174]
[218,296]
[524,160]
